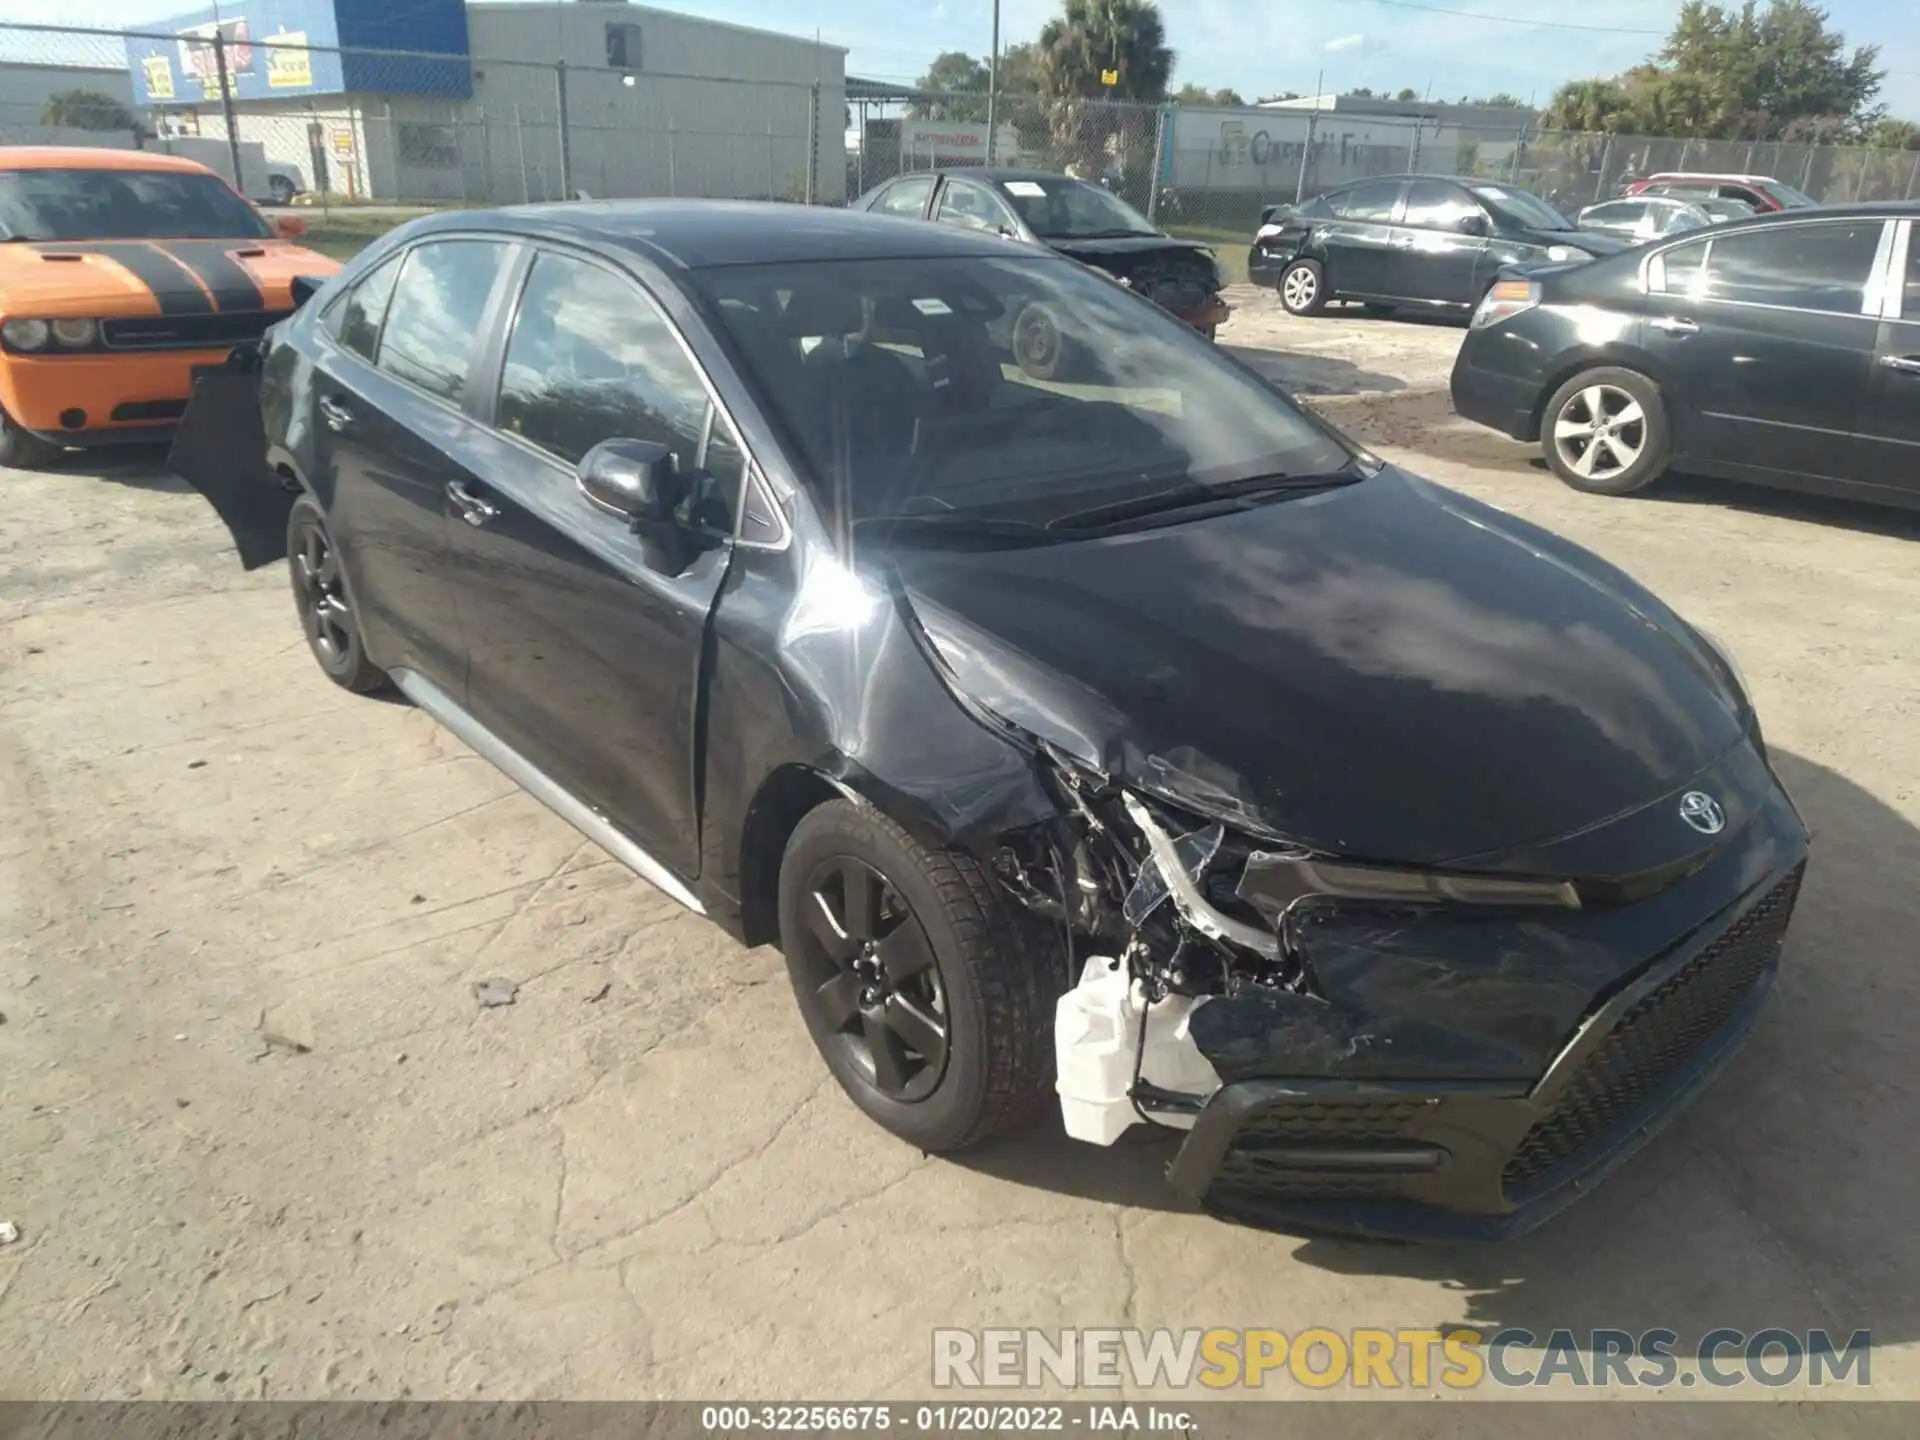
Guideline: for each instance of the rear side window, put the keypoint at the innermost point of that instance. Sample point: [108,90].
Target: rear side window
[1369,202]
[365,307]
[905,197]
[1626,212]
[433,321]
[1802,267]
[591,359]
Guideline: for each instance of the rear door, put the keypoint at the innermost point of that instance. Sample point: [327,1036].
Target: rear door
[1764,337]
[390,428]
[1359,243]
[584,644]
[1436,261]
[1886,451]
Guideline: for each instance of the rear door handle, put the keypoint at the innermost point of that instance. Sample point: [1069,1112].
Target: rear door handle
[1676,326]
[1905,364]
[336,415]
[473,509]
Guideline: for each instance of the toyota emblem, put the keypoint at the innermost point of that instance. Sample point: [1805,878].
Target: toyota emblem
[1702,812]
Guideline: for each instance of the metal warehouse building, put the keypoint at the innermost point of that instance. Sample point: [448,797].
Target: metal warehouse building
[538,101]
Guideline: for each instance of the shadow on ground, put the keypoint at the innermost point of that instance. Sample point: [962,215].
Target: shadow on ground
[142,467]
[1313,374]
[1781,1198]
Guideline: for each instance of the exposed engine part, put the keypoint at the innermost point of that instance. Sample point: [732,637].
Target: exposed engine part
[1115,1046]
[1150,889]
[1193,905]
[1276,882]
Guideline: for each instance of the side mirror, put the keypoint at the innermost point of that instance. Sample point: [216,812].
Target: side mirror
[1475,225]
[304,287]
[637,479]
[289,227]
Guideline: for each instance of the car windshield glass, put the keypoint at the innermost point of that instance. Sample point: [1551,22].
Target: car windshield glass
[1788,196]
[1058,208]
[123,205]
[998,392]
[1521,208]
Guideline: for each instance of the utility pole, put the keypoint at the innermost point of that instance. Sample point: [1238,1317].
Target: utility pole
[993,83]
[1313,127]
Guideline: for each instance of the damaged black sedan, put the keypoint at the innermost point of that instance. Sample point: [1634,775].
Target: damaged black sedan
[1100,728]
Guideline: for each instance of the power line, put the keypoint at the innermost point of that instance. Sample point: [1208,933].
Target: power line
[1516,19]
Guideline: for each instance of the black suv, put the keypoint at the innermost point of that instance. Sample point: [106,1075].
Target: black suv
[1421,241]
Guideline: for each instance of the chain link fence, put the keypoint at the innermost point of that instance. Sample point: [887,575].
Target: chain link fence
[292,122]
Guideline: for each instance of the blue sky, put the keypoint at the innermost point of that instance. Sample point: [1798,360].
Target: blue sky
[1256,46]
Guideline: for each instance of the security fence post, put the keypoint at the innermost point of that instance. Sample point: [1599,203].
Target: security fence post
[1519,149]
[1603,187]
[520,144]
[566,138]
[1306,155]
[226,109]
[813,139]
[1160,118]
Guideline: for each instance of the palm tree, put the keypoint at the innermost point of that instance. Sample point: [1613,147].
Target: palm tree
[85,110]
[1589,105]
[1089,37]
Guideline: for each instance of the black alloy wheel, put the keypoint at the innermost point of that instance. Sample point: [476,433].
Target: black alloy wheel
[22,449]
[326,609]
[871,983]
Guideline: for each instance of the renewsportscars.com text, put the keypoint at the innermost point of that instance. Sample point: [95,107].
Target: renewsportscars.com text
[1379,1359]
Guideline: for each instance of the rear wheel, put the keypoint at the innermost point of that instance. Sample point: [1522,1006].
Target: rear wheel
[1605,432]
[281,189]
[1303,288]
[22,449]
[320,595]
[929,993]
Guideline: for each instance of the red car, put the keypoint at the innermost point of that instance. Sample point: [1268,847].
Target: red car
[1764,193]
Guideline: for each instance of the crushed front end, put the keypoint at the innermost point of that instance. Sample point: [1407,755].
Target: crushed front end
[1435,1052]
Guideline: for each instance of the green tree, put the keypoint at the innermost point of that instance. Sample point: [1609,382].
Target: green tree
[1021,70]
[86,110]
[1894,135]
[954,73]
[1407,93]
[1191,94]
[1090,37]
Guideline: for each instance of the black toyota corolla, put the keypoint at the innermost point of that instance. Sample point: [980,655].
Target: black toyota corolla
[1121,732]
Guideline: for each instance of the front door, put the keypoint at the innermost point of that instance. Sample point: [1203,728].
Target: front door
[1438,262]
[390,382]
[1886,450]
[1360,244]
[1765,336]
[584,642]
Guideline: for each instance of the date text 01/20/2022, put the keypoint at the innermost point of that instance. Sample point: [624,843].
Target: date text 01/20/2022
[941,1419]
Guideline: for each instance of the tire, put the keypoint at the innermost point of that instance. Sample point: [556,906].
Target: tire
[326,610]
[1632,445]
[952,949]
[1303,288]
[22,449]
[281,189]
[1041,346]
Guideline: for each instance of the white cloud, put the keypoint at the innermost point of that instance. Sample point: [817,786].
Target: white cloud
[1345,42]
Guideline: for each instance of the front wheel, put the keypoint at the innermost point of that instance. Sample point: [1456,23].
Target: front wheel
[928,991]
[281,189]
[22,449]
[1605,432]
[1303,288]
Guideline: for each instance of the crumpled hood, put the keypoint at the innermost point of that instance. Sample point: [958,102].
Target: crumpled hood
[1389,670]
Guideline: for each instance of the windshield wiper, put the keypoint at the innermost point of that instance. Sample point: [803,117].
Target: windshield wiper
[1190,494]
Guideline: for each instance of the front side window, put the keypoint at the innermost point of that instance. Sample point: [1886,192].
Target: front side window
[1369,202]
[930,394]
[433,320]
[364,309]
[906,197]
[1801,267]
[123,205]
[1435,205]
[970,208]
[590,359]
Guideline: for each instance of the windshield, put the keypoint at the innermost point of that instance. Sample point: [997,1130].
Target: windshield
[1788,196]
[1002,393]
[1057,208]
[123,205]
[1521,208]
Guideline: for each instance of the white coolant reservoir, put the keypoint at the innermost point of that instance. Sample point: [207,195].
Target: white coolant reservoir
[1096,1039]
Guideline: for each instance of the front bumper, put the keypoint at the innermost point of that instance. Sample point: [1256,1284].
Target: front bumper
[1207,315]
[102,399]
[1410,1159]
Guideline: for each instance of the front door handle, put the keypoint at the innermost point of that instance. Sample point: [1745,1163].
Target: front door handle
[473,509]
[336,415]
[1905,364]
[1675,325]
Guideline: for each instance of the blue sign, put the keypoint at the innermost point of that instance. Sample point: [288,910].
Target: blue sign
[278,49]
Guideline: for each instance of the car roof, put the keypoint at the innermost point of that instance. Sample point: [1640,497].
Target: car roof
[1728,176]
[998,174]
[697,234]
[81,157]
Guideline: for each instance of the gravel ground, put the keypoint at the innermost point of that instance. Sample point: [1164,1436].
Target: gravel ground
[259,1138]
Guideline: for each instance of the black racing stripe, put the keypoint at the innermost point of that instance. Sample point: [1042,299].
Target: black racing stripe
[213,264]
[176,291]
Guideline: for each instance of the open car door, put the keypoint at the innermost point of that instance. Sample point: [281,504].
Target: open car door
[220,448]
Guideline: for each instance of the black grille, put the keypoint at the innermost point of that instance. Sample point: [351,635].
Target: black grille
[1656,1036]
[188,332]
[150,410]
[1256,1166]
